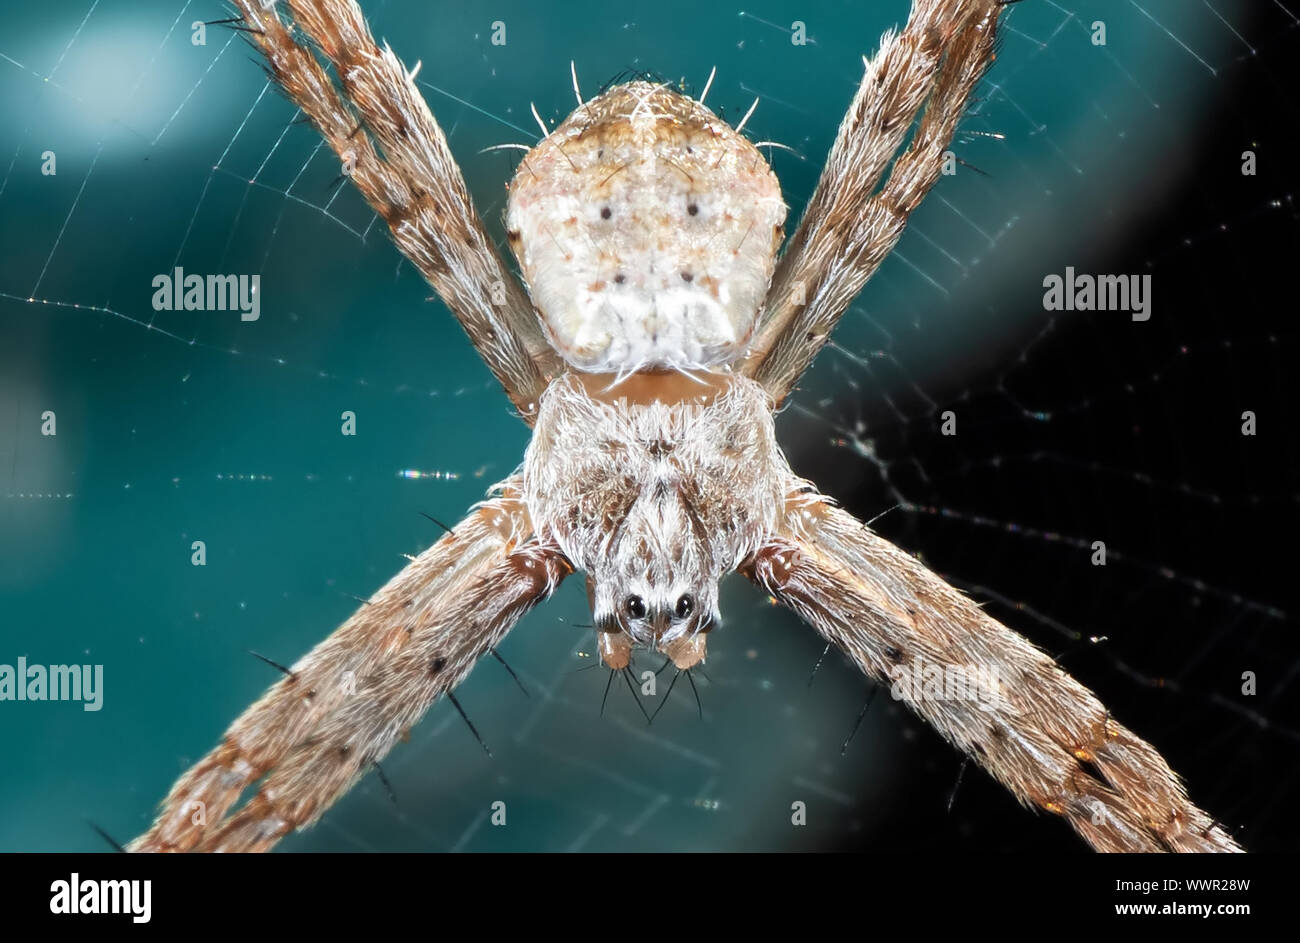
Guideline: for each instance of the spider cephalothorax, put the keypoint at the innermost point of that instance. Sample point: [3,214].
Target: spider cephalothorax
[656,487]
[659,333]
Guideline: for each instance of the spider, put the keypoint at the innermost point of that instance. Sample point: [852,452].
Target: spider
[660,329]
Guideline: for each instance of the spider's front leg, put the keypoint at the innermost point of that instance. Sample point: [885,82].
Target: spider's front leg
[986,689]
[343,706]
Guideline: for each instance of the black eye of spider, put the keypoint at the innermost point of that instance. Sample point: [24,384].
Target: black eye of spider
[635,607]
[685,606]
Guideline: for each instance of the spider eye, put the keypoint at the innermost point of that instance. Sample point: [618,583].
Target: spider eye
[635,607]
[685,606]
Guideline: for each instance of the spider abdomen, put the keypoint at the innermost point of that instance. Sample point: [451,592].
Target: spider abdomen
[646,229]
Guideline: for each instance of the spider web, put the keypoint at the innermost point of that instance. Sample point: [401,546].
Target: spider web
[1072,427]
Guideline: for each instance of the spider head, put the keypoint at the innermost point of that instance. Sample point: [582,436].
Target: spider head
[647,230]
[636,610]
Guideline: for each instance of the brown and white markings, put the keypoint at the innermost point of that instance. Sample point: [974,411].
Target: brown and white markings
[658,332]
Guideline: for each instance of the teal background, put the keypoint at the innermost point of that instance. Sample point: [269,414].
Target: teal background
[203,427]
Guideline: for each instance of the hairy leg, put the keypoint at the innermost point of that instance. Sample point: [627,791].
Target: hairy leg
[849,227]
[1011,709]
[343,705]
[379,125]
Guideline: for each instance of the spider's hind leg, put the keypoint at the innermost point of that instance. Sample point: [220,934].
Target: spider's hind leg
[849,227]
[380,127]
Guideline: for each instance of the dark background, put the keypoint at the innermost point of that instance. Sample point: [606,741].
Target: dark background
[1143,450]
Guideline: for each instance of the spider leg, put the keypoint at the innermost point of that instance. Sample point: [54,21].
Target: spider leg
[849,226]
[342,707]
[988,691]
[379,125]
